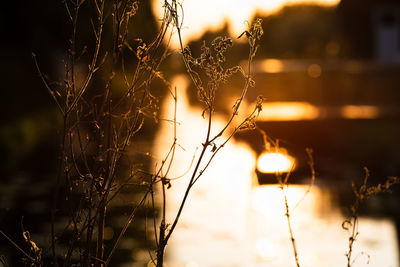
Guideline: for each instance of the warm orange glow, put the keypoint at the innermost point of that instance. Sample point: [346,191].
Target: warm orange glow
[205,15]
[229,221]
[272,162]
[360,112]
[288,111]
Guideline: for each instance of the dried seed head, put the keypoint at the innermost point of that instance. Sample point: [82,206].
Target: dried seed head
[257,30]
[220,45]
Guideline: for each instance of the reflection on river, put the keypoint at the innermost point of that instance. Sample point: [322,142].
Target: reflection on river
[231,221]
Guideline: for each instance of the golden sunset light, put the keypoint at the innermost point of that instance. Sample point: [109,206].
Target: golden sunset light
[213,15]
[200,133]
[258,235]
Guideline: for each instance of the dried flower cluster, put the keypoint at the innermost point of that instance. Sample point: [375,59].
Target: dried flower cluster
[210,63]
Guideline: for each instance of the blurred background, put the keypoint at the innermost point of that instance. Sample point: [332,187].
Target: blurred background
[329,71]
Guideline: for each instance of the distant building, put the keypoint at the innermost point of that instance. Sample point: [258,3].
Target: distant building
[386,23]
[373,27]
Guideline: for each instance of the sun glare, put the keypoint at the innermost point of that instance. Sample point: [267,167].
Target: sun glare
[213,15]
[275,162]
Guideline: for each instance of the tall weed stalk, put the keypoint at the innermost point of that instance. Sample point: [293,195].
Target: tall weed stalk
[283,182]
[104,102]
[362,193]
[210,64]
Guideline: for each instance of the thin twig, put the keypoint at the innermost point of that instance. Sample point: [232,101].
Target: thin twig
[17,247]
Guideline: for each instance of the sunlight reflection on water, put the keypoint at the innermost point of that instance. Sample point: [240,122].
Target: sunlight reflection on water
[231,221]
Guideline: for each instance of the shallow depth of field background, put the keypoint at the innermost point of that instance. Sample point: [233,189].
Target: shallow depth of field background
[330,73]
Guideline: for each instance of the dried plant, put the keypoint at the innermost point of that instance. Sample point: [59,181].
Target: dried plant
[103,107]
[209,64]
[104,99]
[33,258]
[362,193]
[283,182]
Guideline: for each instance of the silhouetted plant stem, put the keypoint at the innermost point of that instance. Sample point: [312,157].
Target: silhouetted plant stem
[352,238]
[96,132]
[362,193]
[163,239]
[292,239]
[17,247]
[207,98]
